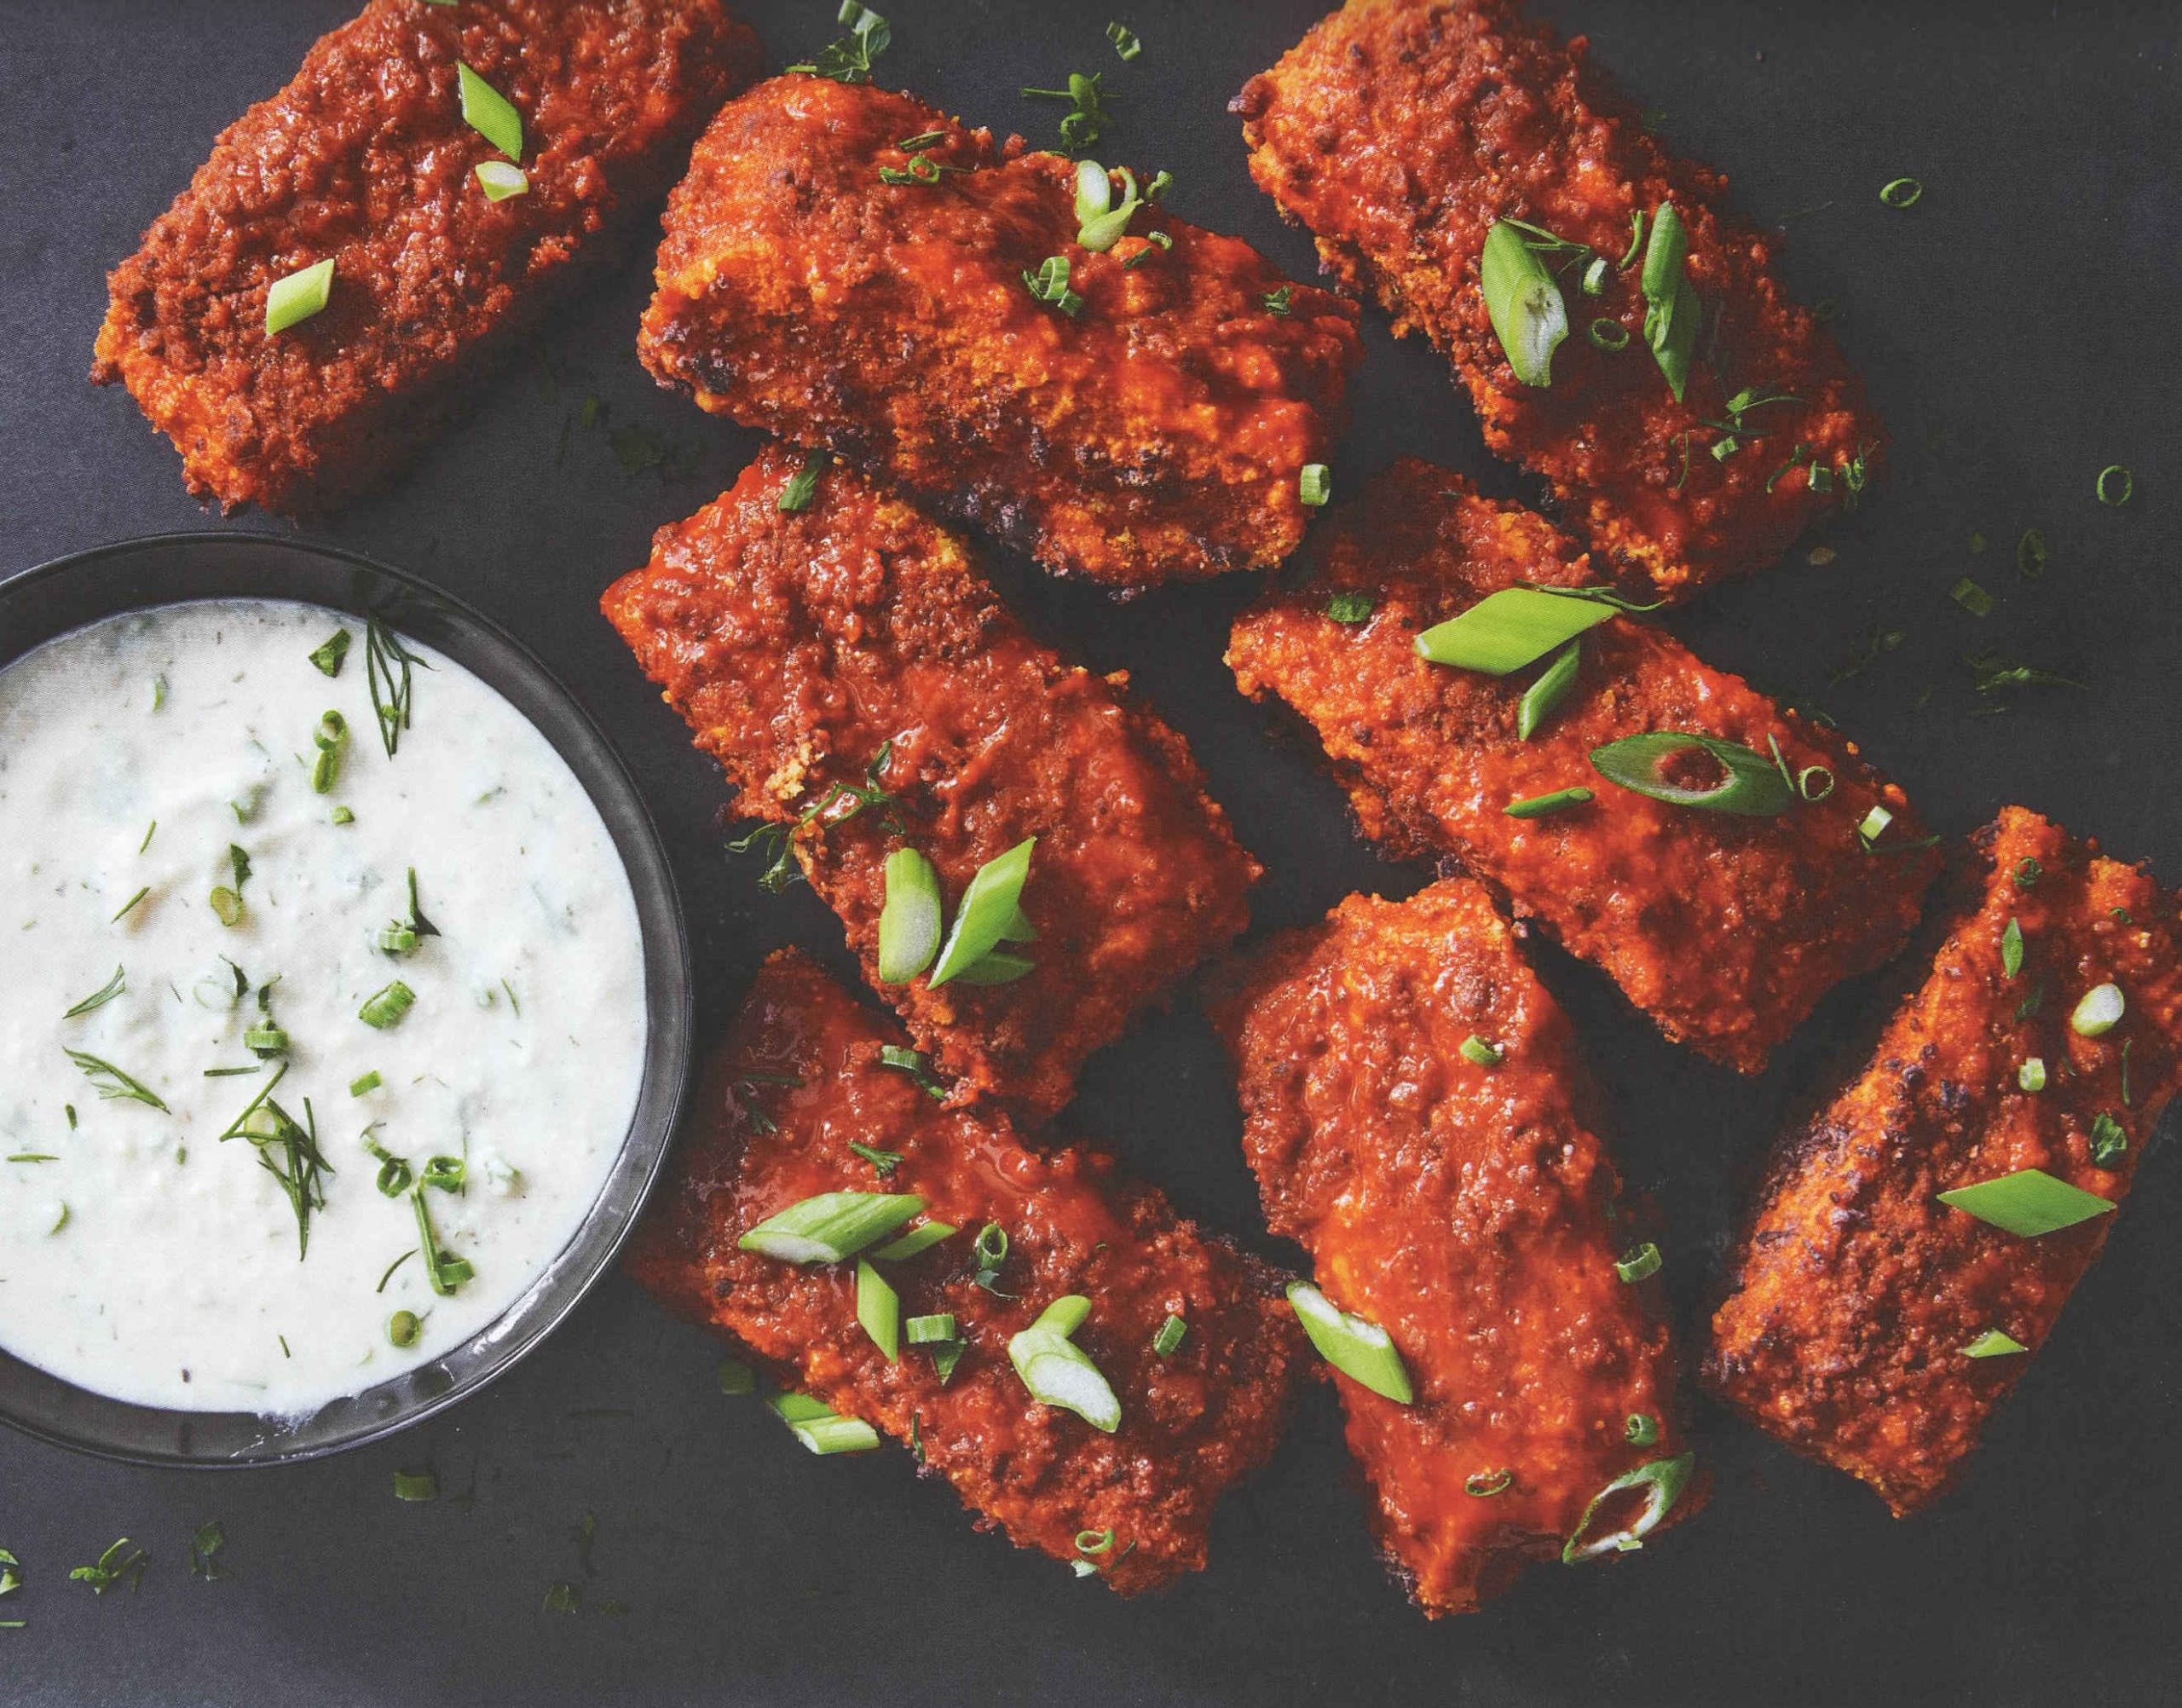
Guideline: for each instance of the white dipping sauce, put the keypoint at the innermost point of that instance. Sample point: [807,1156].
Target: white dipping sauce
[148,1259]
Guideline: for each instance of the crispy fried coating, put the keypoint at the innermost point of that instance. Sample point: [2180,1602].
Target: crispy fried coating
[1192,1423]
[1855,1290]
[1157,432]
[1399,130]
[1725,929]
[800,645]
[365,158]
[1466,1209]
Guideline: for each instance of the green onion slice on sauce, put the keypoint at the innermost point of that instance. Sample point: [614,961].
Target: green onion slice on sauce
[921,1238]
[1529,317]
[1482,1052]
[1662,1482]
[2012,948]
[2099,1011]
[1507,630]
[1750,785]
[1543,696]
[499,180]
[1059,1372]
[1315,486]
[299,295]
[1483,1484]
[1993,1343]
[878,1308]
[2031,1075]
[831,1227]
[989,906]
[1639,1263]
[1168,1340]
[1360,1350]
[1673,316]
[2109,1141]
[909,923]
[928,1331]
[820,1427]
[1546,805]
[1641,1430]
[1350,608]
[2028,1204]
[489,113]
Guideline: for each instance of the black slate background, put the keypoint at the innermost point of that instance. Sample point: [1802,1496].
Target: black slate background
[2017,330]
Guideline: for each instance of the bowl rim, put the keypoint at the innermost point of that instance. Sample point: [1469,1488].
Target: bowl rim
[678,1024]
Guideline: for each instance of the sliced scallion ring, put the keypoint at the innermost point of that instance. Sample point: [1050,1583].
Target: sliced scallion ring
[1901,192]
[1641,1429]
[1060,1373]
[2115,485]
[831,1227]
[299,295]
[930,1331]
[1639,1263]
[2098,1012]
[489,113]
[1315,486]
[1751,788]
[909,923]
[1529,317]
[2031,1075]
[1505,631]
[820,1427]
[500,179]
[1662,1482]
[878,1308]
[988,906]
[1607,334]
[1487,1483]
[1360,1350]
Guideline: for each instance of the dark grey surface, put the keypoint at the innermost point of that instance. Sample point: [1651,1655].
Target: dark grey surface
[2017,330]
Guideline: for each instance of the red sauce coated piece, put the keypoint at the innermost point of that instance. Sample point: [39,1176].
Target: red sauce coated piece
[1192,1423]
[798,644]
[365,158]
[1464,1209]
[1856,1289]
[1399,130]
[1158,434]
[1725,929]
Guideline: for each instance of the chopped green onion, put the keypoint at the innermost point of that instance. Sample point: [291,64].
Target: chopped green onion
[445,1273]
[403,1328]
[416,1485]
[736,1377]
[1608,334]
[921,1238]
[122,1560]
[1487,1483]
[489,113]
[926,1331]
[1316,487]
[1278,302]
[330,653]
[2115,485]
[2031,1075]
[1058,1372]
[878,1308]
[500,179]
[99,998]
[1125,40]
[1641,1430]
[909,923]
[1993,1343]
[1528,315]
[1477,1050]
[1595,276]
[2099,1013]
[2028,1204]
[1901,192]
[988,906]
[1507,630]
[820,1427]
[802,486]
[1809,789]
[341,815]
[2109,1142]
[2027,873]
[999,967]
[1672,316]
[1168,1340]
[2012,948]
[831,1227]
[1049,284]
[1664,253]
[1350,608]
[1094,191]
[1543,696]
[1639,1263]
[1662,1482]
[1749,787]
[2030,554]
[1971,598]
[384,1008]
[917,1065]
[1360,1350]
[1545,806]
[447,1173]
[296,297]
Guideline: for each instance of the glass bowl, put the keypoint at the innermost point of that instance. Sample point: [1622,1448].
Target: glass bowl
[164,569]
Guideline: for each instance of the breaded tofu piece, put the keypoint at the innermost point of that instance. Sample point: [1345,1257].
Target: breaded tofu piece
[800,1077]
[1872,1324]
[854,644]
[1725,929]
[365,159]
[1466,1208]
[1398,131]
[1147,420]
